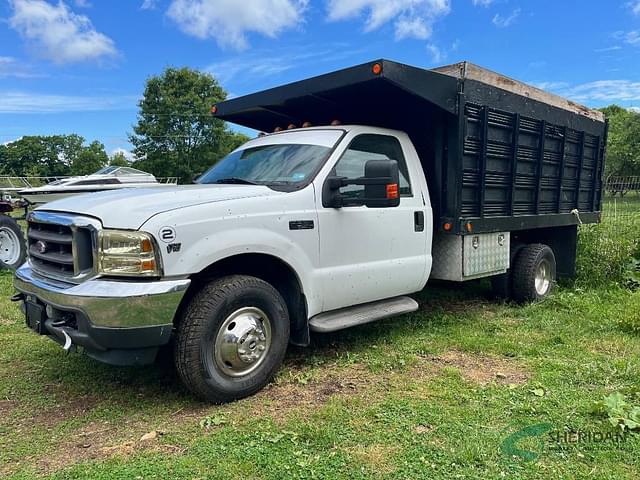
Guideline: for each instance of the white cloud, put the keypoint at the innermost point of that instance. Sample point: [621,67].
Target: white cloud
[549,85]
[26,102]
[82,3]
[608,49]
[272,63]
[12,68]
[503,22]
[631,37]
[57,33]
[149,4]
[606,90]
[415,27]
[482,3]
[635,6]
[437,55]
[596,91]
[634,109]
[411,18]
[228,21]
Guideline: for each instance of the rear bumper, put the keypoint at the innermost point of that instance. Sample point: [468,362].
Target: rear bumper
[117,322]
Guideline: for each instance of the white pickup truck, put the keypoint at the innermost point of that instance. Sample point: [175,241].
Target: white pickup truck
[409,174]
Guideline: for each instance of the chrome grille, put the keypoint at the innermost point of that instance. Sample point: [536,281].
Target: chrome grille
[61,246]
[51,248]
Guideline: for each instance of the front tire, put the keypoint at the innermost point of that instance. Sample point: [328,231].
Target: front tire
[534,273]
[232,338]
[12,246]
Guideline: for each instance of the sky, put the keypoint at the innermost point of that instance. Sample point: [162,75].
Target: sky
[79,66]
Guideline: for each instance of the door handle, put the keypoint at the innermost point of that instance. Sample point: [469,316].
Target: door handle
[418,221]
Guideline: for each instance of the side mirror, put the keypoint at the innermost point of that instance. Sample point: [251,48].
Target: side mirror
[381,187]
[385,192]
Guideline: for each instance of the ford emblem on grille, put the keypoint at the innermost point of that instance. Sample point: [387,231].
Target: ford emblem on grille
[41,247]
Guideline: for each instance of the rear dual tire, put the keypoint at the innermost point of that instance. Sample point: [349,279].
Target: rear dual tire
[531,277]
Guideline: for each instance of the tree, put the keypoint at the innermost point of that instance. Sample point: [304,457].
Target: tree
[54,155]
[90,159]
[623,146]
[176,135]
[119,159]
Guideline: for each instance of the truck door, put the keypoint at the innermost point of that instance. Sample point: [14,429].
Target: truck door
[368,254]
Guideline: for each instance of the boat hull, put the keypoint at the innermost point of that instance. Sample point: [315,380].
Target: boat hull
[42,195]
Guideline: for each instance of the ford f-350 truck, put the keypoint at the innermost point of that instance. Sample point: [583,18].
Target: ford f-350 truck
[370,181]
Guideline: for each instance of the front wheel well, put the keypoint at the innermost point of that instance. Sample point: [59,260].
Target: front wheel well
[266,267]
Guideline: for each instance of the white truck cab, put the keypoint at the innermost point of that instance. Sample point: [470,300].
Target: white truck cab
[300,230]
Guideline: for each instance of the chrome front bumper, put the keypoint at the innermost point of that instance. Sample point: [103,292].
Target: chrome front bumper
[108,303]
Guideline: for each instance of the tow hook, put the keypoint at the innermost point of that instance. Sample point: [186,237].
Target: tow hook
[18,297]
[67,342]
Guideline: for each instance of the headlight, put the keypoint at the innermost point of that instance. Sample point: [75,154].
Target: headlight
[127,254]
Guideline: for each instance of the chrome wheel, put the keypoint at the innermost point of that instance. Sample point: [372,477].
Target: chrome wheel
[242,342]
[543,277]
[9,246]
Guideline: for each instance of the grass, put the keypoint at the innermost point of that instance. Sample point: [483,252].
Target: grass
[428,395]
[434,394]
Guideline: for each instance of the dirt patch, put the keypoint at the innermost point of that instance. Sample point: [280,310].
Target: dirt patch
[375,457]
[63,410]
[331,382]
[6,407]
[95,441]
[483,369]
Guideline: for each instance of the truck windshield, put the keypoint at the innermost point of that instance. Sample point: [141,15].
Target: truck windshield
[286,159]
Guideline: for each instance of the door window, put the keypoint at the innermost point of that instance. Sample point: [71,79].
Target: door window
[371,147]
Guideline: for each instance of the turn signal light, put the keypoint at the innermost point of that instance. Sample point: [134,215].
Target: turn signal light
[469,227]
[145,246]
[392,191]
[376,68]
[447,227]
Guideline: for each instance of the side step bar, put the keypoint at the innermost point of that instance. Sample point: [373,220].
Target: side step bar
[361,314]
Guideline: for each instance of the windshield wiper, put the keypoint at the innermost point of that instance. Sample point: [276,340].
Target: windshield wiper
[235,180]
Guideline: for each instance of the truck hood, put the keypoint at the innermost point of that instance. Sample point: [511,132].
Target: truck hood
[130,208]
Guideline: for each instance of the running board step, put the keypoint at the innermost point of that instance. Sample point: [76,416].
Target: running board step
[361,314]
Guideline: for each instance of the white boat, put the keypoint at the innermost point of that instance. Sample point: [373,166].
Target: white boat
[107,178]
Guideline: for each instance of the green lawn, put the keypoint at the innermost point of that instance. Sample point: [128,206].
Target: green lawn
[428,395]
